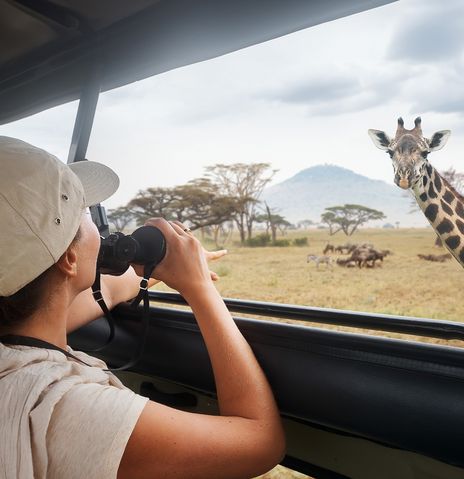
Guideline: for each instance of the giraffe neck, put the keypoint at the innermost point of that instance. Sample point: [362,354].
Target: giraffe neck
[444,208]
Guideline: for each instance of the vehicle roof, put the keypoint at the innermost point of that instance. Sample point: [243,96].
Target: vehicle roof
[50,49]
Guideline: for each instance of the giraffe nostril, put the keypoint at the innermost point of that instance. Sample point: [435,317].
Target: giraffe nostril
[403,183]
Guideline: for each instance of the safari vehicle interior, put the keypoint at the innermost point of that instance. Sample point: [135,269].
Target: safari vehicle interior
[354,405]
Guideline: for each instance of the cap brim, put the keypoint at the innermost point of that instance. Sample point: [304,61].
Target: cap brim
[98,180]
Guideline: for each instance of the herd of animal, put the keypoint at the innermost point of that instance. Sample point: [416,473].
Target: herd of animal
[362,255]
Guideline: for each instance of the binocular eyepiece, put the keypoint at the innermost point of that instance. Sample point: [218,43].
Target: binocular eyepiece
[146,245]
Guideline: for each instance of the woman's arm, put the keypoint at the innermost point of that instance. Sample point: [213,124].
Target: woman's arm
[247,439]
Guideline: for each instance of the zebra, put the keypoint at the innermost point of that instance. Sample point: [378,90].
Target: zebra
[320,259]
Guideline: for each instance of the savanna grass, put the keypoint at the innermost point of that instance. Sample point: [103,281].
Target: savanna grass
[402,285]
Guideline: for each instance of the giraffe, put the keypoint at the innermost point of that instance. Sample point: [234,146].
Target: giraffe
[442,205]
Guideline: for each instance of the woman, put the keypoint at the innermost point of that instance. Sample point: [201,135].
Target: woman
[61,418]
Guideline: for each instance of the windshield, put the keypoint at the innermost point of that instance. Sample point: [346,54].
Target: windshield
[293,115]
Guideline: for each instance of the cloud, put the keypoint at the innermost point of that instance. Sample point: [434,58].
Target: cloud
[319,90]
[418,64]
[453,104]
[436,90]
[429,32]
[318,94]
[352,90]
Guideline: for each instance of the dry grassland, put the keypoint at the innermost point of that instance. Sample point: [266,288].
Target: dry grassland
[403,285]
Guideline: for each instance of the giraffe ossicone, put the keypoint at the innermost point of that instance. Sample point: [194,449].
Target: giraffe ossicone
[441,203]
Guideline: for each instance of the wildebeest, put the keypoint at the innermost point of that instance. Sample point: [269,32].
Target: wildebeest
[437,258]
[347,247]
[346,262]
[366,255]
[328,247]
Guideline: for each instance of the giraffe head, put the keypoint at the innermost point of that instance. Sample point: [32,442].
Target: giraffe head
[408,150]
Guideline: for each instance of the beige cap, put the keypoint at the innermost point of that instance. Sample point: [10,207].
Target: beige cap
[41,204]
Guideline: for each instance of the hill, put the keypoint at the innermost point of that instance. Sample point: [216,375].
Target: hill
[309,192]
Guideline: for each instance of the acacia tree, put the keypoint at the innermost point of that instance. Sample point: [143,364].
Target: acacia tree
[222,233]
[349,217]
[197,203]
[203,205]
[454,178]
[155,202]
[305,224]
[329,218]
[273,221]
[245,183]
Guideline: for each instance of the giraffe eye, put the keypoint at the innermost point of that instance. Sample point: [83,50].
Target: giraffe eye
[424,154]
[390,152]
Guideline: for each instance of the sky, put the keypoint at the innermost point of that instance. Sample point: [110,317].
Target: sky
[297,101]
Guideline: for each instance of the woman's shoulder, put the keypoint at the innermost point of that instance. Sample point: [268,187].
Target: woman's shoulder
[36,369]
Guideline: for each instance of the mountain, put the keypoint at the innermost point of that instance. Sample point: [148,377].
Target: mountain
[309,192]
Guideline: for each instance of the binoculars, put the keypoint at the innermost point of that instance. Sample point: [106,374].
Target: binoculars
[146,245]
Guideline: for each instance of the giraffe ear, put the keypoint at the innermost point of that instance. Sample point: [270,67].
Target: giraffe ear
[439,139]
[380,139]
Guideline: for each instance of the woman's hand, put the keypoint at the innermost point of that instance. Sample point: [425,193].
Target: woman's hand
[184,267]
[213,256]
[209,255]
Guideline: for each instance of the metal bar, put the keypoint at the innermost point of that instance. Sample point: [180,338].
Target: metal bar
[378,322]
[84,118]
[81,136]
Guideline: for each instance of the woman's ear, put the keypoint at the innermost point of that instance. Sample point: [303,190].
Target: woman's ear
[67,264]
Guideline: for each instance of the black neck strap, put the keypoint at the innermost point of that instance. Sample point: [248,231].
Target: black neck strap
[98,296]
[16,340]
[142,295]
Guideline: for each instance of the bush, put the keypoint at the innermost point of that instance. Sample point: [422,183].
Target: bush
[301,241]
[262,239]
[281,243]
